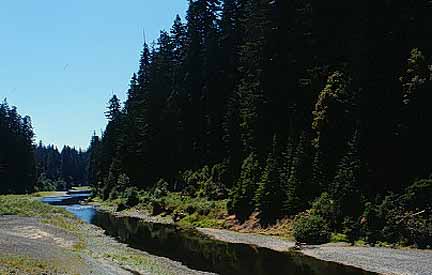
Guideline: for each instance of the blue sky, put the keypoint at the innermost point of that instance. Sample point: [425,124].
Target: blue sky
[60,61]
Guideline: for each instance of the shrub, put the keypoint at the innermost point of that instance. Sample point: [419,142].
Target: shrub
[338,237]
[418,196]
[404,219]
[242,197]
[311,229]
[114,194]
[351,230]
[207,182]
[132,197]
[324,206]
[214,187]
[160,189]
[417,230]
[158,206]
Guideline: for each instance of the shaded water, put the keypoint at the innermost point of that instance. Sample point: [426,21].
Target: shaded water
[201,253]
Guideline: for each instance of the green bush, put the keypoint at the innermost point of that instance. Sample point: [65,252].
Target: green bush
[324,206]
[132,197]
[242,197]
[114,194]
[158,206]
[419,195]
[44,184]
[208,182]
[311,229]
[161,189]
[404,219]
[338,237]
[351,230]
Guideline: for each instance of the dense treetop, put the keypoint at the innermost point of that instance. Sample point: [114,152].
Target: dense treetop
[271,103]
[17,164]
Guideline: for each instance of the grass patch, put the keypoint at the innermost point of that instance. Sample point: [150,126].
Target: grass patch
[282,229]
[27,206]
[79,246]
[197,220]
[23,265]
[139,263]
[46,194]
[360,243]
[108,205]
[198,212]
[81,188]
[338,238]
[66,223]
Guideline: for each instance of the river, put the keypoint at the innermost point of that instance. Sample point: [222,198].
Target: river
[199,252]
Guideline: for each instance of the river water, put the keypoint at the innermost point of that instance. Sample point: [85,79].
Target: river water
[199,252]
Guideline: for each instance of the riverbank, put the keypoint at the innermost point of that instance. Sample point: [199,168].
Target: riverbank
[384,261]
[37,238]
[42,239]
[379,260]
[192,212]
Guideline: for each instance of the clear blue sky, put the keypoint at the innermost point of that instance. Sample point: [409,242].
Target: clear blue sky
[60,61]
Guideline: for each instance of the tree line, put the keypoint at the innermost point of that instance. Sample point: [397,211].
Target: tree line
[271,104]
[60,170]
[26,167]
[17,163]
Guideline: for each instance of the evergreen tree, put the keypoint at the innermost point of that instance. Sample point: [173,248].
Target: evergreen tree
[345,189]
[17,164]
[94,169]
[414,115]
[269,195]
[298,191]
[242,197]
[251,88]
[333,118]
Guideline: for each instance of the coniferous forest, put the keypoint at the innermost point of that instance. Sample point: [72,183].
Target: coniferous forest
[60,170]
[25,167]
[17,163]
[280,107]
[316,111]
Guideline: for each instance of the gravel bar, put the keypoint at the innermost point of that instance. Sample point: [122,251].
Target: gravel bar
[384,261]
[270,242]
[380,260]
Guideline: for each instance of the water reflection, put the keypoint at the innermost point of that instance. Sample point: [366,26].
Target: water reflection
[198,252]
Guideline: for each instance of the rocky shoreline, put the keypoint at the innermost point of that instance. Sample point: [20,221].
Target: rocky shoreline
[386,261]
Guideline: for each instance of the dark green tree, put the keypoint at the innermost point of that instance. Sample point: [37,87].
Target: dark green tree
[345,188]
[242,197]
